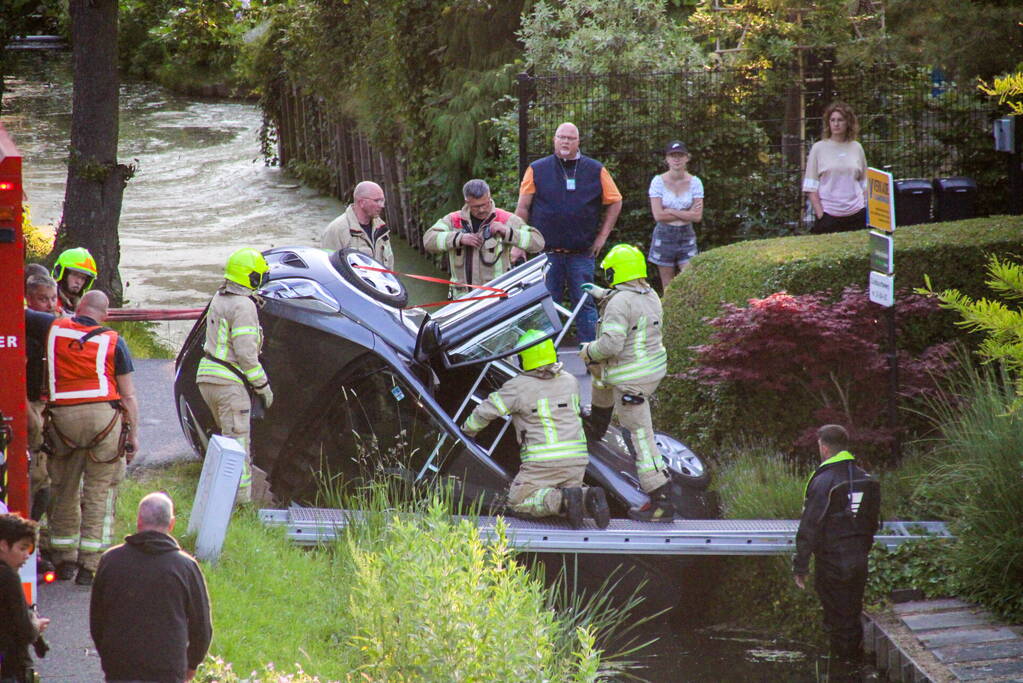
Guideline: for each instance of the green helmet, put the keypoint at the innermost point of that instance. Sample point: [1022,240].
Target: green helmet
[623,263]
[247,267]
[77,260]
[537,355]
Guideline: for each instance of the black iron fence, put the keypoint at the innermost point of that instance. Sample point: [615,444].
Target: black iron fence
[749,132]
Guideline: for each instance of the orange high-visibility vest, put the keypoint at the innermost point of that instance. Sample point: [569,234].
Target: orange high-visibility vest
[80,373]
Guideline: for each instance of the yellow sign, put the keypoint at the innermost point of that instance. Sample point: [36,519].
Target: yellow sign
[880,200]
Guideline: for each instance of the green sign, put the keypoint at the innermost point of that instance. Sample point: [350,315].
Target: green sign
[882,252]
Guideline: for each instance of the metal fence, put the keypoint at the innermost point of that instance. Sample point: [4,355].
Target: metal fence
[749,132]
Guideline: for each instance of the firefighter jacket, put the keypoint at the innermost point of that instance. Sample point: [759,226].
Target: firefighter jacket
[544,407]
[473,266]
[233,335]
[628,343]
[344,232]
[841,514]
[81,360]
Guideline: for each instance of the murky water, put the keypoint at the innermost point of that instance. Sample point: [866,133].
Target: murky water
[202,191]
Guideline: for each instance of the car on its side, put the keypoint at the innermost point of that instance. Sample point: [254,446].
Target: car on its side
[364,385]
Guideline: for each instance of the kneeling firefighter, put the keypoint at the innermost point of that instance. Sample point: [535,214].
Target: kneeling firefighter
[628,361]
[543,403]
[230,376]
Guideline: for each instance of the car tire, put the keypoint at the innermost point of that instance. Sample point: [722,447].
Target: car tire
[686,468]
[383,287]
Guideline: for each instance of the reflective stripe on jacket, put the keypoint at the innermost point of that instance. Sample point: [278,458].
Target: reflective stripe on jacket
[628,343]
[233,335]
[344,232]
[80,373]
[544,407]
[477,266]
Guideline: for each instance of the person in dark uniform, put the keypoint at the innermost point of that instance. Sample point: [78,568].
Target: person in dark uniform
[840,517]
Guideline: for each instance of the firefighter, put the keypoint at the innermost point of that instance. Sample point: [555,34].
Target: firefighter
[75,272]
[841,514]
[229,374]
[480,239]
[543,403]
[627,361]
[92,414]
[41,296]
[360,227]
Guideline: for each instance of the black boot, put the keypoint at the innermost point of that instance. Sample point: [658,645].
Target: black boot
[595,424]
[572,506]
[596,506]
[659,509]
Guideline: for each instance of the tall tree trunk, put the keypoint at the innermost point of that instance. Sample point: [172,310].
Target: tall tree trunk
[95,182]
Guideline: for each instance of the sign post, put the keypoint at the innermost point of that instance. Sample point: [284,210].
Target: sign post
[881,217]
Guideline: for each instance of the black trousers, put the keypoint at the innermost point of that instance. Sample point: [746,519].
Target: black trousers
[828,223]
[840,580]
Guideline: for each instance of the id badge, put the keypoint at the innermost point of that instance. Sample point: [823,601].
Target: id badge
[570,184]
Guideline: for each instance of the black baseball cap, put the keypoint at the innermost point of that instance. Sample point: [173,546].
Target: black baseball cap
[676,147]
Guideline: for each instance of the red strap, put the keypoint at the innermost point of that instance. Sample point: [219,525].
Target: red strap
[498,293]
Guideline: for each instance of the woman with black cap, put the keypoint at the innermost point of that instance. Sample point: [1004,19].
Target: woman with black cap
[676,200]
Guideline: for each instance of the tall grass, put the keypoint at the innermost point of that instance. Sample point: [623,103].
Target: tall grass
[408,593]
[977,482]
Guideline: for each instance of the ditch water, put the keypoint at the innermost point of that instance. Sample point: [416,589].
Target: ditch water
[201,191]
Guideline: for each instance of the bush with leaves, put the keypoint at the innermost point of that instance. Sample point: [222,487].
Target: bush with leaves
[825,361]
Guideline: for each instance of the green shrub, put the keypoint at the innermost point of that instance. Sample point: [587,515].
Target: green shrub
[923,565]
[953,254]
[977,482]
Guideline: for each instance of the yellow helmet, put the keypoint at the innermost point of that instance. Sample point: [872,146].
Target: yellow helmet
[77,260]
[247,267]
[623,263]
[537,355]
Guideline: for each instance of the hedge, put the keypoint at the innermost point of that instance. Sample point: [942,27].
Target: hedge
[952,254]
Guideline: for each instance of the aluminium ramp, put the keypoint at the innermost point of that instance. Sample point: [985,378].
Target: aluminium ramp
[311,526]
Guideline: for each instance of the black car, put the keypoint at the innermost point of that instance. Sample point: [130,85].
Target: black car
[363,385]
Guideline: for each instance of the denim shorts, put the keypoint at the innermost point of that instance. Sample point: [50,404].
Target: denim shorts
[672,245]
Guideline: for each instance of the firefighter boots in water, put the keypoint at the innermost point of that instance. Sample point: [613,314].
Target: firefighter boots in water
[572,505]
[659,509]
[596,506]
[595,424]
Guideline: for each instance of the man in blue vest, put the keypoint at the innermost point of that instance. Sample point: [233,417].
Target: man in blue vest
[840,516]
[562,195]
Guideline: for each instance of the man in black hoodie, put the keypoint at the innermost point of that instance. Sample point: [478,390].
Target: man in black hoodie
[150,613]
[840,516]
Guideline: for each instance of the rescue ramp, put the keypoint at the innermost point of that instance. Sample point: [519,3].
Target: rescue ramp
[312,526]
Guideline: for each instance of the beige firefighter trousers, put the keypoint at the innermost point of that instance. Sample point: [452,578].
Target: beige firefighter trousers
[231,408]
[635,417]
[536,490]
[38,476]
[83,483]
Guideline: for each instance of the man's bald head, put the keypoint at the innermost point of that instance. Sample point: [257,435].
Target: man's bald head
[156,513]
[94,304]
[566,141]
[369,201]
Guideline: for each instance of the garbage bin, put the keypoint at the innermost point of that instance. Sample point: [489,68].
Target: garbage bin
[912,201]
[955,199]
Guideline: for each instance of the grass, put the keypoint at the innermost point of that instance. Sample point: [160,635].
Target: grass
[411,594]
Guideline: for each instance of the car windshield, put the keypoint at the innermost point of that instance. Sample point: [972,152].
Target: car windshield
[502,339]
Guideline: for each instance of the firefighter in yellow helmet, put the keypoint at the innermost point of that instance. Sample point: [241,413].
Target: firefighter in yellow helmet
[75,272]
[230,375]
[628,361]
[543,403]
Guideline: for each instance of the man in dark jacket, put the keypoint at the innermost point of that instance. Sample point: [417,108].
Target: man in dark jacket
[840,516]
[150,613]
[19,625]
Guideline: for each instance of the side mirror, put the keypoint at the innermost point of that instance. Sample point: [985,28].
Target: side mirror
[428,341]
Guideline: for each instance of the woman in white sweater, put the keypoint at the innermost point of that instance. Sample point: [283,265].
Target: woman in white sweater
[836,174]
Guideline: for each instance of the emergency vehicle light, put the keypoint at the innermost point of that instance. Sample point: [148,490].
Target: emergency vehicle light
[6,185]
[50,576]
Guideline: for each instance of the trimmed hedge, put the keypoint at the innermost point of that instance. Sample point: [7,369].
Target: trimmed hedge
[951,254]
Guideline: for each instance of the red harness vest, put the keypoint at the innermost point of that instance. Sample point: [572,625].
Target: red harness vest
[80,373]
[499,216]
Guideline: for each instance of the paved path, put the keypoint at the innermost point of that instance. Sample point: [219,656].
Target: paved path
[72,656]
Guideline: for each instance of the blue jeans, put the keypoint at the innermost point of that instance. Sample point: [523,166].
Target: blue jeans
[573,270]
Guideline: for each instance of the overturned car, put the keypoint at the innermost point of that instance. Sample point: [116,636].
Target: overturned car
[364,385]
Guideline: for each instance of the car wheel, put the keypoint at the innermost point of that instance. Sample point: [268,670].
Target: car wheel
[355,268]
[686,467]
